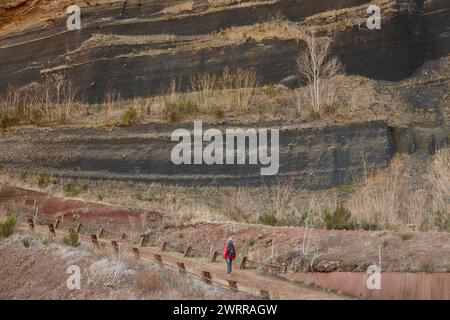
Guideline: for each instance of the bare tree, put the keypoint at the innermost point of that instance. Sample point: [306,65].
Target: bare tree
[319,68]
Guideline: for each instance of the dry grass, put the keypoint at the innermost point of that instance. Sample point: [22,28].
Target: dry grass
[381,198]
[393,197]
[179,8]
[439,180]
[150,281]
[50,101]
[231,89]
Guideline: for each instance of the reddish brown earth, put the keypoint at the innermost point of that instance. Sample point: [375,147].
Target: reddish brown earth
[74,211]
[248,281]
[40,272]
[401,251]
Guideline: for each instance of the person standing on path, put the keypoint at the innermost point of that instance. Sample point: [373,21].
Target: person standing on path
[229,254]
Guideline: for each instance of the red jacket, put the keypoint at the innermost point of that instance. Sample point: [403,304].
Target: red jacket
[226,255]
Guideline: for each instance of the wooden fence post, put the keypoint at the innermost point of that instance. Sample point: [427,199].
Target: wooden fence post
[31,224]
[243,263]
[187,251]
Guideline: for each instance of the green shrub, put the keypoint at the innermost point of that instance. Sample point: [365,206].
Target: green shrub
[174,111]
[130,117]
[140,196]
[7,121]
[72,189]
[368,226]
[340,219]
[72,240]
[251,242]
[26,242]
[100,197]
[8,226]
[43,179]
[2,167]
[268,218]
[218,112]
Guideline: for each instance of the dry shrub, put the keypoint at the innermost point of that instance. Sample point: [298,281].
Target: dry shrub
[318,68]
[187,211]
[234,89]
[204,86]
[238,86]
[111,102]
[236,208]
[50,100]
[149,280]
[439,180]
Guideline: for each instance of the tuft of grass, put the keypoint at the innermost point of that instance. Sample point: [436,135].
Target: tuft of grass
[26,242]
[442,220]
[47,241]
[174,111]
[100,197]
[7,121]
[367,226]
[85,186]
[314,115]
[43,179]
[251,242]
[219,112]
[2,167]
[130,117]
[72,240]
[140,196]
[149,280]
[22,175]
[72,189]
[429,266]
[8,226]
[152,198]
[268,218]
[271,90]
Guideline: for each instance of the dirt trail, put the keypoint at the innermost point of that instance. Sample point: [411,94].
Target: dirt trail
[247,281]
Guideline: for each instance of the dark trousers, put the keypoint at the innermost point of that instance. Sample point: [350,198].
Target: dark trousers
[229,265]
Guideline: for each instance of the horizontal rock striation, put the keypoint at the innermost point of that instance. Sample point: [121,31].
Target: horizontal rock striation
[416,32]
[315,158]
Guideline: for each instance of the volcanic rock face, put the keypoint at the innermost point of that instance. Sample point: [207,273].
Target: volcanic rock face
[412,32]
[316,158]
